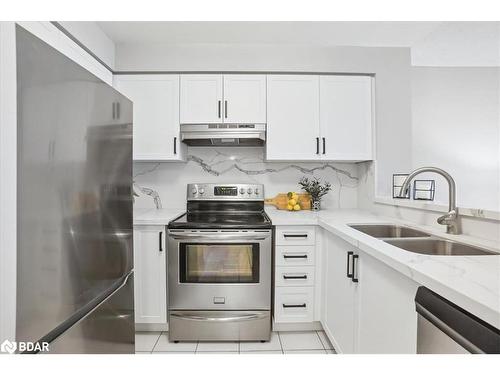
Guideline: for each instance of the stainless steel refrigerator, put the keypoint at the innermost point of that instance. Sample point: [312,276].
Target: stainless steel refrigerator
[74,250]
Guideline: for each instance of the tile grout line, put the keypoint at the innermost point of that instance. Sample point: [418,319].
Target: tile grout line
[281,345]
[321,341]
[156,342]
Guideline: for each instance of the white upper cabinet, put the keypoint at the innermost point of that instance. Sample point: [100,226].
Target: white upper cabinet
[346,117]
[201,99]
[245,98]
[156,115]
[292,117]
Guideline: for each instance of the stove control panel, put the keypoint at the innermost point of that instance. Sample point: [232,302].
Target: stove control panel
[236,192]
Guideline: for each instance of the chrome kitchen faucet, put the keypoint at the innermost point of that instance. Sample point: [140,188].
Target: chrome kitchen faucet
[449,219]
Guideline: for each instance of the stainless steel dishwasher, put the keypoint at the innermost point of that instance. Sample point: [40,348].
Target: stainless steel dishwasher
[445,328]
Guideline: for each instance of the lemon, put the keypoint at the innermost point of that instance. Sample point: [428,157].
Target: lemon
[292,202]
[296,207]
[295,196]
[289,207]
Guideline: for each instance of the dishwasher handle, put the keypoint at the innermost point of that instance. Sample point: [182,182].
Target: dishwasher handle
[472,333]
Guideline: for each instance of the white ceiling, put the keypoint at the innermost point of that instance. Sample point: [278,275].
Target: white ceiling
[373,34]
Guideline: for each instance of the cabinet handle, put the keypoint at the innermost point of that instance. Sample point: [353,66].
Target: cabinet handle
[295,235]
[294,277]
[175,145]
[354,270]
[295,256]
[324,145]
[317,145]
[218,108]
[225,108]
[292,306]
[113,110]
[349,254]
[160,241]
[117,110]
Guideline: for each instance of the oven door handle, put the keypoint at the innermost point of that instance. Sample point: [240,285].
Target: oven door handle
[225,236]
[239,318]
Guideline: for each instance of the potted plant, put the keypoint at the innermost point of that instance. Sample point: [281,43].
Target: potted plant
[316,189]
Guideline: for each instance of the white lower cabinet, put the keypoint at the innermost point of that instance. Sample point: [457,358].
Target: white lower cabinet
[150,271]
[387,320]
[377,313]
[295,274]
[339,308]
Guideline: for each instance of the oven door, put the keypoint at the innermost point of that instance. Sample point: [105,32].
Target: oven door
[219,270]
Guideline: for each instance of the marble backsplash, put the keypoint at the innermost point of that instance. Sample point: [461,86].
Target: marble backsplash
[165,183]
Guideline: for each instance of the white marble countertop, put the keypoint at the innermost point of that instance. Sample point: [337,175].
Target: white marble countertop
[152,216]
[472,282]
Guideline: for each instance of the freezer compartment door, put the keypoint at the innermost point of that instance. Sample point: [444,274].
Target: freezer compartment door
[108,329]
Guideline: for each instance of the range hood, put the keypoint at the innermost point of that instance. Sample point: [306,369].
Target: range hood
[244,135]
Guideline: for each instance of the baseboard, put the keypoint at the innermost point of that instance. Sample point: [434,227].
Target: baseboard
[151,327]
[308,326]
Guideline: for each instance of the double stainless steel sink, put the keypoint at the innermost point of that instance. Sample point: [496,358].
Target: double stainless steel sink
[417,241]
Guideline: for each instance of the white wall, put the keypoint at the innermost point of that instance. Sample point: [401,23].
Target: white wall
[459,44]
[8,179]
[170,179]
[455,126]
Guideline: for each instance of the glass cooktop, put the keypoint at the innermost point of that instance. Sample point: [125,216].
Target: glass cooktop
[221,220]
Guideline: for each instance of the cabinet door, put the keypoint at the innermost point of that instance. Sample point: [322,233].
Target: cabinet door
[245,98]
[387,320]
[150,269]
[201,99]
[339,309]
[292,117]
[155,114]
[346,117]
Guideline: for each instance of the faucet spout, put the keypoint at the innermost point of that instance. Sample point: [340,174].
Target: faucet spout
[451,218]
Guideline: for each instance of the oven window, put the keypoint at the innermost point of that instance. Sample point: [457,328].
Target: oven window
[219,263]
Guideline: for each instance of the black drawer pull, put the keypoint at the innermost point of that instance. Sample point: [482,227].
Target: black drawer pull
[295,256]
[317,145]
[295,277]
[160,242]
[349,273]
[324,146]
[303,305]
[175,145]
[295,235]
[354,270]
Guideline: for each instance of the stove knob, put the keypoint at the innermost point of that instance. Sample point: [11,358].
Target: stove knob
[249,190]
[202,191]
[194,191]
[242,191]
[256,191]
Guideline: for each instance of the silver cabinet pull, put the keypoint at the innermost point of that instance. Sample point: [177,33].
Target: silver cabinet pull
[225,108]
[188,316]
[218,108]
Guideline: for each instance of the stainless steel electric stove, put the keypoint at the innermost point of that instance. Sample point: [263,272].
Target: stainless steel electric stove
[219,265]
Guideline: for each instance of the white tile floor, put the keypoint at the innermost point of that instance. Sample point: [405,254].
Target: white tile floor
[307,342]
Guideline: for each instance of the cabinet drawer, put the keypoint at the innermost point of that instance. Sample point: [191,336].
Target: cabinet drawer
[297,255]
[292,235]
[294,304]
[294,276]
